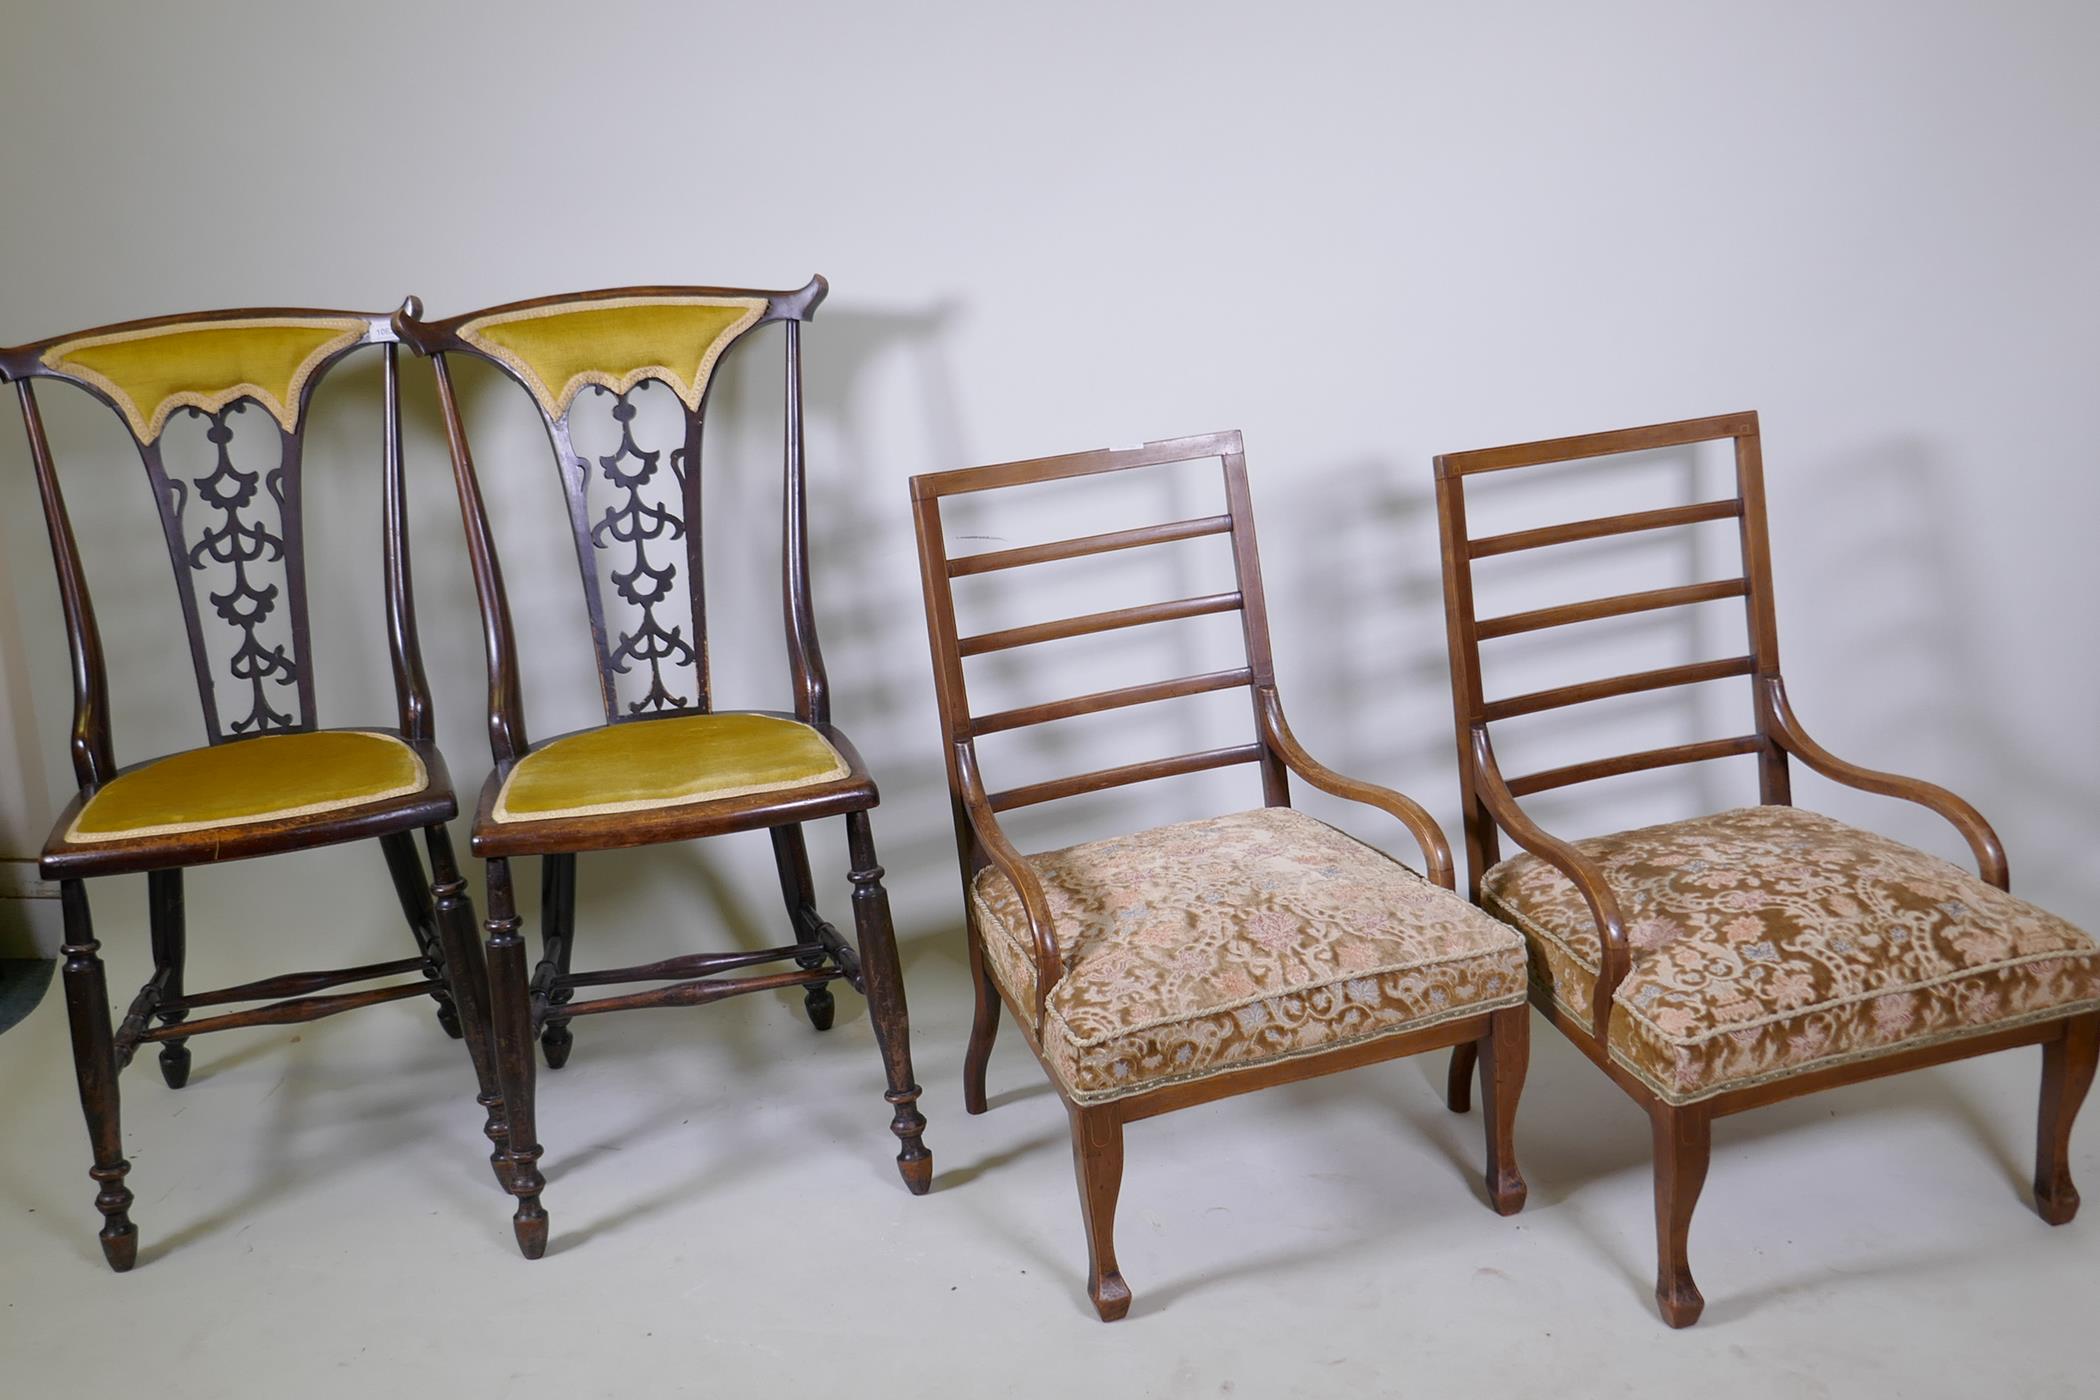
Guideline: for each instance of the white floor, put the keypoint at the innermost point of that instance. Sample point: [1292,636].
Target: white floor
[317,1220]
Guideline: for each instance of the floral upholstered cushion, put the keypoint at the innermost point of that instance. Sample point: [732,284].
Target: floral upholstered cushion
[1233,941]
[1769,941]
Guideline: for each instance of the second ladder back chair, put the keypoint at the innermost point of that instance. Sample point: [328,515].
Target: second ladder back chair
[1191,962]
[1730,961]
[621,380]
[216,405]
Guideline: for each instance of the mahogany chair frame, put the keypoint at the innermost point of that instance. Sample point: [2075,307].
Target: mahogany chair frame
[1498,1039]
[1682,1134]
[447,966]
[540,1002]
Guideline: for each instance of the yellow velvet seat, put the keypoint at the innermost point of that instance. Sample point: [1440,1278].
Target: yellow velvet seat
[271,777]
[643,765]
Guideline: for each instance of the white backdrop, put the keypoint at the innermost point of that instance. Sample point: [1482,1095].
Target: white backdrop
[1363,234]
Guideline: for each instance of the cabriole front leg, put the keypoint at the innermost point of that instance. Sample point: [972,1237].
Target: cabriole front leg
[95,1062]
[2068,1063]
[1683,1146]
[1097,1157]
[885,988]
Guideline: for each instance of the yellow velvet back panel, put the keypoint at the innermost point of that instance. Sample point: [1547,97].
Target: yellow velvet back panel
[149,374]
[615,343]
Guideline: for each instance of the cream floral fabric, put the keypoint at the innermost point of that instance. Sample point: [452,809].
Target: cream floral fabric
[1233,941]
[1768,941]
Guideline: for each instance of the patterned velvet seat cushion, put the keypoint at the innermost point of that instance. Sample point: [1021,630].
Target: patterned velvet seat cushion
[1233,941]
[1769,941]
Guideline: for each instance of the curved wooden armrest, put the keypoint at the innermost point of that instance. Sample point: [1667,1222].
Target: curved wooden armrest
[1008,861]
[1579,868]
[1436,850]
[1983,842]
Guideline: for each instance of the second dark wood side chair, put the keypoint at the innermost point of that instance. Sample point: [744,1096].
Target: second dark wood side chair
[1175,966]
[1723,963]
[621,379]
[216,404]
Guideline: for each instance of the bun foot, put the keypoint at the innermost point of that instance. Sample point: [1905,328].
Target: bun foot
[2056,1202]
[175,1064]
[1111,1296]
[555,1044]
[530,1226]
[1679,1301]
[820,1006]
[917,1172]
[120,1248]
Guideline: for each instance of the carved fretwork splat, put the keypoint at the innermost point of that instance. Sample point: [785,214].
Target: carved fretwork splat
[229,560]
[646,579]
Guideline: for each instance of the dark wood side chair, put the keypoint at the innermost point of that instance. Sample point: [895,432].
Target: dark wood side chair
[1208,958]
[1718,964]
[216,404]
[629,370]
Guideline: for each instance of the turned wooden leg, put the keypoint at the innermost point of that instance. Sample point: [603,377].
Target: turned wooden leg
[467,979]
[413,891]
[95,1062]
[170,950]
[2067,1072]
[1683,1144]
[510,1019]
[1504,1052]
[1097,1155]
[791,856]
[1458,1080]
[984,1029]
[557,939]
[885,988]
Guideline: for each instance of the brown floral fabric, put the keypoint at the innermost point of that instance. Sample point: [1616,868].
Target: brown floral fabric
[1232,941]
[1768,941]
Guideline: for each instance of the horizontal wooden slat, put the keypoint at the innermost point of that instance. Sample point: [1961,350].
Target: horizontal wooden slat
[1618,685]
[1121,777]
[1110,700]
[1603,526]
[1633,763]
[1097,622]
[1088,544]
[1615,606]
[1571,449]
[1106,459]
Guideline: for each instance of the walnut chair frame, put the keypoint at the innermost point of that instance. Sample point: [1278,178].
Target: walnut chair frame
[243,536]
[1682,1134]
[540,1002]
[1498,1039]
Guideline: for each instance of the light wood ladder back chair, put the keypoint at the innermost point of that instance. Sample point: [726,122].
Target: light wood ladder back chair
[1192,962]
[632,368]
[1731,961]
[216,404]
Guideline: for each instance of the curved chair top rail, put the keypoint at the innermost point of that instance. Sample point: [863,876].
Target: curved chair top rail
[232,526]
[145,370]
[634,511]
[613,337]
